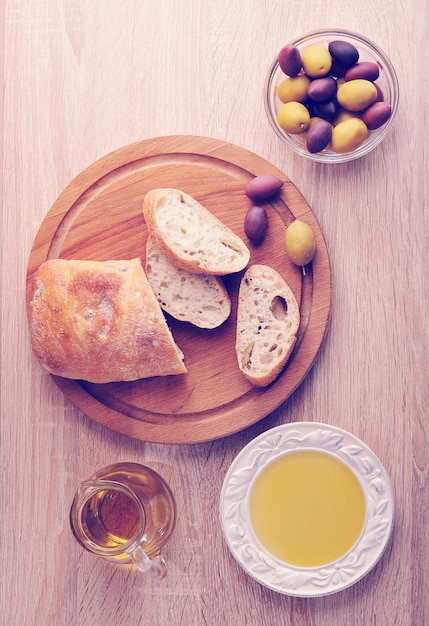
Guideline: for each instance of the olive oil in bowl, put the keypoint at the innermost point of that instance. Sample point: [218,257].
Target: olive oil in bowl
[307,508]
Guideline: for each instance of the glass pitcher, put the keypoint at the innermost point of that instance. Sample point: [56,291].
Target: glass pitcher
[125,513]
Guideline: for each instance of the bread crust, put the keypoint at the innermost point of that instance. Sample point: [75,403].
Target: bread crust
[200,299]
[99,321]
[268,319]
[192,237]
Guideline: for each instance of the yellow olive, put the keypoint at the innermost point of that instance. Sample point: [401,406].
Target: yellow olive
[316,60]
[293,117]
[357,95]
[300,243]
[348,135]
[343,114]
[293,89]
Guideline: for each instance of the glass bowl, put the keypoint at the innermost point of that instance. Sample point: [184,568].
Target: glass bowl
[387,82]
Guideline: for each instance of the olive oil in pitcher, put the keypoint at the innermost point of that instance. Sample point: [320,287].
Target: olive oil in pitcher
[124,513]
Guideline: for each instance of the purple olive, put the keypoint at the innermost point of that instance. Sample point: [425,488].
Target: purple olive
[338,69]
[366,70]
[376,115]
[322,89]
[263,187]
[290,60]
[256,224]
[343,52]
[327,110]
[380,94]
[318,136]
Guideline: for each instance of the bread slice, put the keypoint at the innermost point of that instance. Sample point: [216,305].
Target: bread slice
[200,299]
[99,321]
[267,324]
[192,237]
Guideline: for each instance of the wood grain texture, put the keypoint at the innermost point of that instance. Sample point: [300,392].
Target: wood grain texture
[82,79]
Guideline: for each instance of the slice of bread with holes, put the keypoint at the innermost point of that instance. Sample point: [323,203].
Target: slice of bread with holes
[200,299]
[192,237]
[267,324]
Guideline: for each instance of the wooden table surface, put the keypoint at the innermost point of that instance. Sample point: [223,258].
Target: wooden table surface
[83,78]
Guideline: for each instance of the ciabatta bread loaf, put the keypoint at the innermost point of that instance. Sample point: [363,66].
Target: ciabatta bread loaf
[200,299]
[192,237]
[99,321]
[267,324]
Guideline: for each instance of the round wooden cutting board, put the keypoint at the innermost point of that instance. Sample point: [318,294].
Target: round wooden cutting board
[99,217]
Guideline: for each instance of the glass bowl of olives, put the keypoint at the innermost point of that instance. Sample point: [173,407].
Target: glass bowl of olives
[331,95]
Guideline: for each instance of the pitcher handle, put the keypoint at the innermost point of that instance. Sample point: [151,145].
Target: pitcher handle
[155,567]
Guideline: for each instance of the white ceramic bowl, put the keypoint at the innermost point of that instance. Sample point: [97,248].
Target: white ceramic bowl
[262,564]
[387,81]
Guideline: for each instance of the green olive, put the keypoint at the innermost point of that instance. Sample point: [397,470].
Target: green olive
[300,243]
[293,117]
[295,88]
[348,135]
[316,60]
